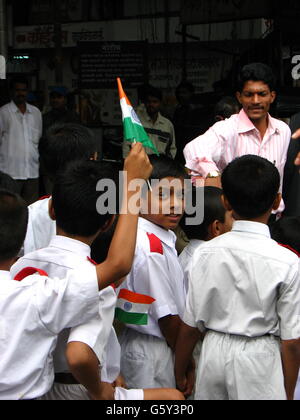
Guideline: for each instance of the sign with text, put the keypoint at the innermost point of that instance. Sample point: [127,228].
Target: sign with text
[210,11]
[101,63]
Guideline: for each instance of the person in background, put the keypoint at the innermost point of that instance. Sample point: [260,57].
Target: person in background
[225,108]
[160,129]
[59,112]
[252,131]
[20,133]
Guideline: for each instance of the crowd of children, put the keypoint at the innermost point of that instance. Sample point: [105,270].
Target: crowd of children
[221,321]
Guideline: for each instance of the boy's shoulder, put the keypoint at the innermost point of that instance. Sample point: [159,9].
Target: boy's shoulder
[149,243]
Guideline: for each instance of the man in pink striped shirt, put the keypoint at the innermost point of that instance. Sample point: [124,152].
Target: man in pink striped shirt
[251,132]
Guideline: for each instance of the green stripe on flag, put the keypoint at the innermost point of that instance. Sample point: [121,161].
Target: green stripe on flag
[136,132]
[131,318]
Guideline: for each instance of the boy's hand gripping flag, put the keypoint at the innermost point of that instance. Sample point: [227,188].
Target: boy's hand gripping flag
[133,129]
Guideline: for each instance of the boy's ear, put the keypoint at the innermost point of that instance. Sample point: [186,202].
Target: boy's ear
[277,202]
[108,224]
[51,211]
[226,203]
[213,230]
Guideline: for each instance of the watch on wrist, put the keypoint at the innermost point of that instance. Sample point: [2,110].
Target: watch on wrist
[213,174]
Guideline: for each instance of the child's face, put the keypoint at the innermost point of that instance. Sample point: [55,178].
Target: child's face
[165,205]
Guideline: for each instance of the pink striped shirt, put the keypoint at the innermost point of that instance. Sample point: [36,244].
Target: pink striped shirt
[236,137]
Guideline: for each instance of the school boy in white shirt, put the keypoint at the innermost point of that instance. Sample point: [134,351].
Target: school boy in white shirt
[147,350]
[245,294]
[74,209]
[48,306]
[62,144]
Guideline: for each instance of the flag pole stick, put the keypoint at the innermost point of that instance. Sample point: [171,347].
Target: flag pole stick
[148,183]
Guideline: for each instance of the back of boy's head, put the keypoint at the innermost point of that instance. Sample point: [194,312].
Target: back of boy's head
[13,224]
[251,185]
[7,183]
[165,167]
[213,210]
[286,231]
[64,143]
[75,197]
[257,72]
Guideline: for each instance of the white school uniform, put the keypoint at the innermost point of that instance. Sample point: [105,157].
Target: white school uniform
[64,255]
[147,360]
[244,288]
[41,229]
[32,313]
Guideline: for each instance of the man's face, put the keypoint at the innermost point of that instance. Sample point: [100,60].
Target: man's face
[152,105]
[20,93]
[184,96]
[256,99]
[57,101]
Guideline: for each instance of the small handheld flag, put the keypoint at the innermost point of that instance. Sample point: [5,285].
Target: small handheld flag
[133,129]
[133,308]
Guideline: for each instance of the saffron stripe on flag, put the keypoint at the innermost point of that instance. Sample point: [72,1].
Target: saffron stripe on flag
[135,298]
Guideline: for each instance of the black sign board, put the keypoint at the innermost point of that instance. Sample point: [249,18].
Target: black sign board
[101,64]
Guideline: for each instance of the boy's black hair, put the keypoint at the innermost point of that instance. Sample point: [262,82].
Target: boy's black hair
[251,184]
[18,80]
[64,143]
[258,72]
[165,167]
[286,231]
[75,197]
[153,91]
[7,183]
[226,107]
[213,210]
[13,224]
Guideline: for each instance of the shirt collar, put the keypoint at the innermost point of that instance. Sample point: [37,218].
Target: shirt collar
[245,124]
[166,236]
[16,109]
[72,245]
[5,276]
[251,227]
[158,121]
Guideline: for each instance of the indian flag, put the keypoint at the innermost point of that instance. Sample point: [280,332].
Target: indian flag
[133,129]
[133,308]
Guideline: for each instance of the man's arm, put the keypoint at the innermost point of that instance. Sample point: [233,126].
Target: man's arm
[121,252]
[173,149]
[291,364]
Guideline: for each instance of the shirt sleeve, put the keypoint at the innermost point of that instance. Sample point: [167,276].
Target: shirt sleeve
[152,278]
[96,332]
[203,153]
[288,309]
[66,303]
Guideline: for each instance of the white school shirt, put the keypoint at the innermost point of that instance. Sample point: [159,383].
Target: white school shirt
[19,139]
[157,273]
[41,229]
[32,313]
[186,256]
[62,256]
[244,283]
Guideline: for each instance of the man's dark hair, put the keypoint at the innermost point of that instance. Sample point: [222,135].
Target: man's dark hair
[7,183]
[13,224]
[75,197]
[225,108]
[251,184]
[286,231]
[186,85]
[213,210]
[258,72]
[18,80]
[64,143]
[153,91]
[165,167]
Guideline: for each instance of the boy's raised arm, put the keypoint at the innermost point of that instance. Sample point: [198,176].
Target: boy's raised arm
[121,252]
